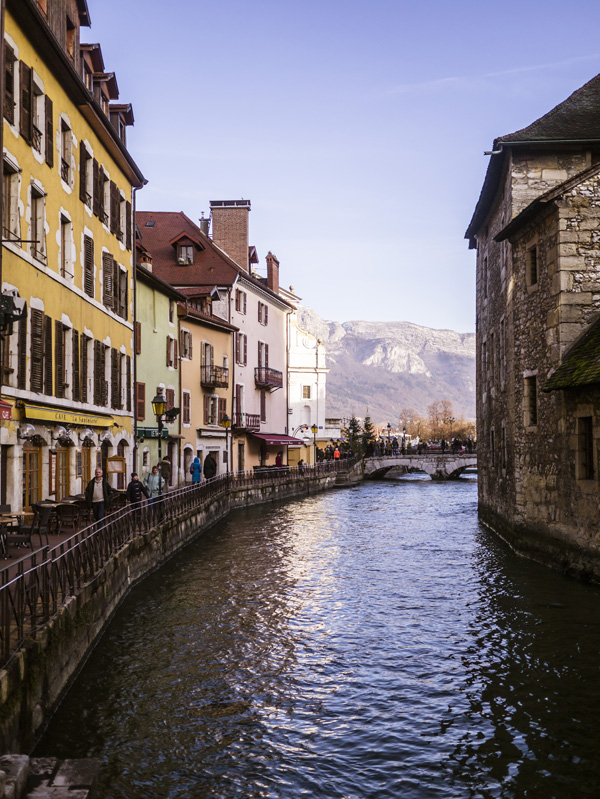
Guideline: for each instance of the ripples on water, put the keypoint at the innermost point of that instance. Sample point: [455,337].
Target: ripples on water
[373,642]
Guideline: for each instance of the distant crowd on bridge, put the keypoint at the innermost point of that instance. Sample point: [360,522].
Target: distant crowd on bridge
[397,446]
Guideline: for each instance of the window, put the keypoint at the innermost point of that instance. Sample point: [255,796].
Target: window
[530,401]
[170,397]
[37,231]
[172,312]
[88,265]
[122,219]
[241,349]
[305,392]
[532,266]
[185,254]
[61,379]
[66,247]
[138,338]
[186,414]
[263,354]
[40,355]
[37,115]
[114,200]
[585,448]
[103,196]
[116,382]
[172,352]
[11,219]
[66,144]
[85,175]
[263,313]
[26,102]
[123,298]
[49,121]
[240,301]
[100,381]
[32,475]
[211,409]
[9,84]
[140,401]
[185,344]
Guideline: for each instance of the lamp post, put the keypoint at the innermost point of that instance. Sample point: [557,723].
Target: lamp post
[159,406]
[314,430]
[226,422]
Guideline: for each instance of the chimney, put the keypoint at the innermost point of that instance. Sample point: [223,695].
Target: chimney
[204,224]
[230,228]
[273,272]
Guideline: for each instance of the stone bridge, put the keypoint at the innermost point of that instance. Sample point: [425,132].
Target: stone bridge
[439,467]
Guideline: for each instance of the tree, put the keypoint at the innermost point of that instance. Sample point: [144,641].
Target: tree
[412,421]
[352,432]
[440,418]
[369,436]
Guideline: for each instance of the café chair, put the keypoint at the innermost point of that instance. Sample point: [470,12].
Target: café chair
[68,518]
[39,527]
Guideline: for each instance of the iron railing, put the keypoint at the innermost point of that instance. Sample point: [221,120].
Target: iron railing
[217,376]
[270,378]
[34,588]
[246,421]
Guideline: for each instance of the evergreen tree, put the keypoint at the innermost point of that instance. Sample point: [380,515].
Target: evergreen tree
[368,437]
[352,432]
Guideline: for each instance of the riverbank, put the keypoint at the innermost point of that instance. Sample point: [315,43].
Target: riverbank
[87,578]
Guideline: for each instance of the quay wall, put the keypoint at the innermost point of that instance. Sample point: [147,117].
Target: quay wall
[37,676]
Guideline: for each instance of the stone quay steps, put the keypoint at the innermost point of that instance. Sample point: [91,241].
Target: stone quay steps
[23,777]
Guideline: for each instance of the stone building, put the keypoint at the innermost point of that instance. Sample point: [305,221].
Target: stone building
[536,228]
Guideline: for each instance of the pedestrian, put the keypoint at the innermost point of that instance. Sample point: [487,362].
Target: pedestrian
[196,470]
[136,489]
[210,466]
[279,460]
[336,454]
[301,466]
[165,469]
[98,495]
[154,483]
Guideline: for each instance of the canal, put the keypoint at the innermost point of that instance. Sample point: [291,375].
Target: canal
[371,642]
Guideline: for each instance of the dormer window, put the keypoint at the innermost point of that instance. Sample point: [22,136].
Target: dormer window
[185,254]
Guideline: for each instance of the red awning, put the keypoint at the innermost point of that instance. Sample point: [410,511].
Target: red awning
[275,440]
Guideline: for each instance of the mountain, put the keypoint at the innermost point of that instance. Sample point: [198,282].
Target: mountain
[386,366]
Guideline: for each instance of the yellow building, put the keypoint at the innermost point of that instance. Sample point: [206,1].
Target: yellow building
[66,268]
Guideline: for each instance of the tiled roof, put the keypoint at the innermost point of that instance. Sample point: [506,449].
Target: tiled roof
[576,118]
[581,364]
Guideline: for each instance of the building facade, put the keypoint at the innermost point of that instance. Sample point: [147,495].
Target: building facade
[67,197]
[536,228]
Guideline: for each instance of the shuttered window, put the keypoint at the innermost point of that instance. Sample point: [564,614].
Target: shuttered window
[36,355]
[47,355]
[128,225]
[99,369]
[123,293]
[107,279]
[140,401]
[138,338]
[206,408]
[186,413]
[88,256]
[114,208]
[84,366]
[128,383]
[84,188]
[172,352]
[49,132]
[115,378]
[76,380]
[26,110]
[22,354]
[59,358]
[9,83]
[95,187]
[222,409]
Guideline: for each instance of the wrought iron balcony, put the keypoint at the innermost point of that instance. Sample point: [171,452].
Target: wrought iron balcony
[216,376]
[64,170]
[37,139]
[264,377]
[246,421]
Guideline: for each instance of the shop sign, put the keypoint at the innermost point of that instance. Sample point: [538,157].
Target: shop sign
[66,417]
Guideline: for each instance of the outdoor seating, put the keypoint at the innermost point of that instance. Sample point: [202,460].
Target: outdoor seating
[67,517]
[39,527]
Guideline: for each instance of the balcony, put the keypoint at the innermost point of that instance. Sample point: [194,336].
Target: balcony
[65,170]
[37,139]
[246,421]
[264,377]
[214,376]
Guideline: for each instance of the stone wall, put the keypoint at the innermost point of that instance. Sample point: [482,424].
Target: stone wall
[38,675]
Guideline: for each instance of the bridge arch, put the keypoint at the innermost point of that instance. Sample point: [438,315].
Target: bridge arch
[437,466]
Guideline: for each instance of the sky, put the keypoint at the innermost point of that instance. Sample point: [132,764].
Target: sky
[357,130]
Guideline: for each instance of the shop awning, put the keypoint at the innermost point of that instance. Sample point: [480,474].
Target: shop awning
[275,440]
[59,416]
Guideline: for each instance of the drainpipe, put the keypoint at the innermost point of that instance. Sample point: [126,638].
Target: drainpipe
[134,359]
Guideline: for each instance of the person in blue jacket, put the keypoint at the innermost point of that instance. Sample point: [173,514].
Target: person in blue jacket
[196,470]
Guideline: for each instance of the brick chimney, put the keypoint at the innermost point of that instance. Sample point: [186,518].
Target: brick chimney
[273,272]
[230,228]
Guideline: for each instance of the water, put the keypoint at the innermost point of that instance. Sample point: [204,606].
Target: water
[374,642]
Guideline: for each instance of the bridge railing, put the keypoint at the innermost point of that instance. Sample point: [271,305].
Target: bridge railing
[35,587]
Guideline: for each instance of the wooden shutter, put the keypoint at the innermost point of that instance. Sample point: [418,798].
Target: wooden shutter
[266,356]
[47,355]
[175,358]
[96,187]
[76,372]
[238,401]
[260,363]
[169,362]
[140,401]
[82,173]
[84,367]
[222,408]
[263,406]
[88,248]
[9,83]
[26,115]
[98,372]
[108,277]
[124,297]
[206,403]
[49,132]
[260,312]
[138,338]
[22,354]
[237,299]
[115,399]
[59,350]
[245,299]
[170,395]
[266,315]
[237,348]
[186,412]
[245,361]
[114,207]
[128,225]
[104,382]
[189,345]
[128,386]
[116,287]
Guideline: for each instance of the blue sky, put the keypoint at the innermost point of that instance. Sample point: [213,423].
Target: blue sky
[357,130]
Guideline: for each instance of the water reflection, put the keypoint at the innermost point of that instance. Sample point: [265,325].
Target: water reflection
[374,642]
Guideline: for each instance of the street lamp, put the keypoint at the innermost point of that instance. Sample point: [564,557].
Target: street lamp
[226,422]
[159,406]
[314,430]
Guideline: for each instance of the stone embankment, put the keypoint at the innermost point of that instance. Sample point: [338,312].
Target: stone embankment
[22,777]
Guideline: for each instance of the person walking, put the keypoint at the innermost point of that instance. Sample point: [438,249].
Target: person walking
[165,469]
[98,495]
[279,460]
[154,483]
[136,490]
[210,466]
[196,470]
